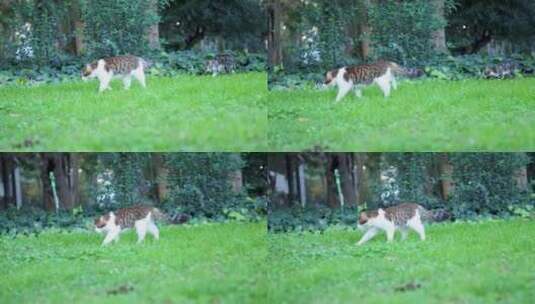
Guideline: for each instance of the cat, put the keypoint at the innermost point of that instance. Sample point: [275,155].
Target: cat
[381,73]
[222,63]
[502,70]
[142,218]
[124,67]
[404,216]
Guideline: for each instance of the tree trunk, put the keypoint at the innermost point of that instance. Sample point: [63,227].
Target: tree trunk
[521,179]
[10,183]
[236,181]
[364,30]
[439,36]
[446,176]
[160,172]
[368,176]
[153,33]
[332,197]
[346,179]
[64,167]
[275,33]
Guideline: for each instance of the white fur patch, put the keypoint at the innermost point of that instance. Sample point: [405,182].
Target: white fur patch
[142,226]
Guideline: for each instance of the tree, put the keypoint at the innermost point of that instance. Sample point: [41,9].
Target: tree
[10,183]
[62,168]
[475,23]
[439,35]
[274,10]
[239,22]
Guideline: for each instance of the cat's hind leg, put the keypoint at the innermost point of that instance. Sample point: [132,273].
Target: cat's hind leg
[384,84]
[358,91]
[127,81]
[153,229]
[416,224]
[368,235]
[394,83]
[139,74]
[141,229]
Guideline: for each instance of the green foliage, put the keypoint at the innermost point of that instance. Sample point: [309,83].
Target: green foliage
[190,264]
[35,220]
[163,64]
[485,184]
[473,66]
[200,183]
[117,27]
[310,218]
[240,23]
[402,31]
[471,262]
[511,20]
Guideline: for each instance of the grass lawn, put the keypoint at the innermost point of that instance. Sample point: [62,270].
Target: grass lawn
[184,113]
[216,263]
[487,262]
[426,115]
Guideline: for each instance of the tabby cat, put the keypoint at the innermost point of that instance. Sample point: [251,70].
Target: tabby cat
[381,73]
[124,67]
[404,216]
[222,63]
[141,218]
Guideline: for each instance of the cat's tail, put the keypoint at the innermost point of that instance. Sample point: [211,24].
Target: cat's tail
[435,215]
[180,218]
[407,72]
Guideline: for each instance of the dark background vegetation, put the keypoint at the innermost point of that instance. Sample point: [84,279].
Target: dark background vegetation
[45,41]
[40,190]
[314,190]
[451,39]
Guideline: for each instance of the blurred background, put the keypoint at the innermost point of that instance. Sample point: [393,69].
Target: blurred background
[43,40]
[450,38]
[42,190]
[310,191]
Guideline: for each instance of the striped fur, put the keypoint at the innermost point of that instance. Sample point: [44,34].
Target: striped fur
[124,67]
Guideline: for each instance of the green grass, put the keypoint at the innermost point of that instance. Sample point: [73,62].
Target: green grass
[428,115]
[487,262]
[184,113]
[216,263]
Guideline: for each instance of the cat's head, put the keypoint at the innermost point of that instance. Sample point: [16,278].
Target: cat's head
[330,76]
[363,218]
[88,71]
[102,221]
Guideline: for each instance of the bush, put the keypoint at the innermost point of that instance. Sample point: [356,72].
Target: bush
[163,64]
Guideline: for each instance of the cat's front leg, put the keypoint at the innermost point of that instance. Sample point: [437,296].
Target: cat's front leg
[112,235]
[104,83]
[368,235]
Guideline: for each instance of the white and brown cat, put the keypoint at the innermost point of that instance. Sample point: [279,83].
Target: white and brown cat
[142,218]
[383,73]
[405,217]
[124,67]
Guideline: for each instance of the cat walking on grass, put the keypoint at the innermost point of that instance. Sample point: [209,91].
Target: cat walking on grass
[125,67]
[382,73]
[404,217]
[142,218]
